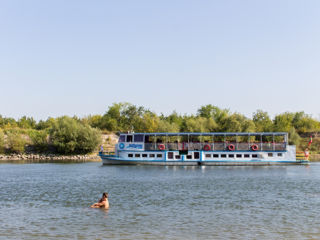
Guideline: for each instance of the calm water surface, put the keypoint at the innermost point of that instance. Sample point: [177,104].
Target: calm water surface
[51,201]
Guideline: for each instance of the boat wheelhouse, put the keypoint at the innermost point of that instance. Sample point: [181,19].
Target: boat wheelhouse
[203,149]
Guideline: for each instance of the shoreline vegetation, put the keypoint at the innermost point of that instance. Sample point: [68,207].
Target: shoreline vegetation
[79,138]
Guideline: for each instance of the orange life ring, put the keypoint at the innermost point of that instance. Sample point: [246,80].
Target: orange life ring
[161,147]
[254,147]
[231,147]
[207,147]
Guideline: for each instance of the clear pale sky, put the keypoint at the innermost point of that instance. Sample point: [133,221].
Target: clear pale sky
[76,57]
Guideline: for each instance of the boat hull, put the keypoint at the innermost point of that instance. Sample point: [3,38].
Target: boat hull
[114,160]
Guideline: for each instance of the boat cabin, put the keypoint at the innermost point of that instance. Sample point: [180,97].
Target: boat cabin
[271,141]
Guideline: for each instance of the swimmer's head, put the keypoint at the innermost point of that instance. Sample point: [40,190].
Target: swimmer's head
[105,194]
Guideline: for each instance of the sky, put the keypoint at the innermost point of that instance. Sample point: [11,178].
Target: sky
[79,57]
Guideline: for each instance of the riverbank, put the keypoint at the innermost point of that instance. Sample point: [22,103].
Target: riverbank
[51,157]
[82,158]
[314,158]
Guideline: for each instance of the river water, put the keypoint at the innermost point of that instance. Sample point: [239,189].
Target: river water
[51,201]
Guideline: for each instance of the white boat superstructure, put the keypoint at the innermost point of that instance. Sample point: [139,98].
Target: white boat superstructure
[203,149]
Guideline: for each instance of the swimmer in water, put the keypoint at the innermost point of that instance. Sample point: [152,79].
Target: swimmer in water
[103,202]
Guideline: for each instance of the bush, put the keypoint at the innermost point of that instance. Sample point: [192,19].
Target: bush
[294,137]
[2,147]
[16,142]
[70,136]
[39,140]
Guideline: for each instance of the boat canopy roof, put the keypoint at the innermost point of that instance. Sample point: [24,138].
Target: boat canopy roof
[211,134]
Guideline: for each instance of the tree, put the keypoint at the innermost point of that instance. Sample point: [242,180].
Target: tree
[26,122]
[94,121]
[123,117]
[262,121]
[283,122]
[16,142]
[294,137]
[149,123]
[165,126]
[209,111]
[237,123]
[41,125]
[2,146]
[71,136]
[39,140]
[304,123]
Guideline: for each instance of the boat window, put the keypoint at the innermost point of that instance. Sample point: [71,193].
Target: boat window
[231,155]
[231,138]
[151,139]
[270,154]
[130,155]
[138,138]
[151,155]
[137,155]
[215,155]
[184,139]
[279,154]
[159,155]
[208,155]
[196,155]
[177,156]
[207,139]
[223,155]
[144,155]
[246,155]
[122,138]
[170,155]
[161,139]
[219,138]
[129,138]
[194,138]
[239,155]
[254,155]
[189,156]
[146,139]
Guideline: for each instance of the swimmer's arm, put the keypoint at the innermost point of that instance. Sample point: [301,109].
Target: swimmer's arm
[97,205]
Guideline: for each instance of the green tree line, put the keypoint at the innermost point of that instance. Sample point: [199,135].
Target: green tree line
[82,135]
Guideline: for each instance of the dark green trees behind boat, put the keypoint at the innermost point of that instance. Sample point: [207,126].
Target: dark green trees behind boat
[68,135]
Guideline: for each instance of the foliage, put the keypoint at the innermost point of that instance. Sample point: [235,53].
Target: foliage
[262,121]
[16,142]
[283,122]
[71,136]
[304,123]
[294,137]
[79,135]
[2,146]
[26,122]
[42,125]
[39,140]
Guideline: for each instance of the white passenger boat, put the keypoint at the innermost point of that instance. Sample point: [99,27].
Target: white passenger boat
[270,148]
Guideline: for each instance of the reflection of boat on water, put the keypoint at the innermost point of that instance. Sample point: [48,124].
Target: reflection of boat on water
[203,149]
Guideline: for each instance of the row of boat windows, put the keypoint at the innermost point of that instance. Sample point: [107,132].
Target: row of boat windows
[170,155]
[240,155]
[151,155]
[231,155]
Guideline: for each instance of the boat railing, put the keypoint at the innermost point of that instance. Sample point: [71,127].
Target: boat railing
[217,146]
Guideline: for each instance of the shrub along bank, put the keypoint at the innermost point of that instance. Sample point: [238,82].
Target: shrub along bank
[64,135]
